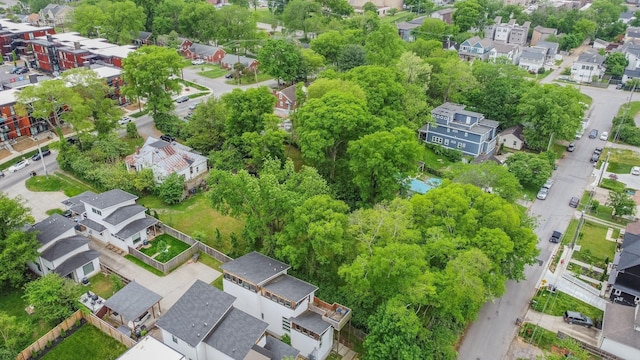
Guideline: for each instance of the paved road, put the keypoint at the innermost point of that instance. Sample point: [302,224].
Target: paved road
[490,336]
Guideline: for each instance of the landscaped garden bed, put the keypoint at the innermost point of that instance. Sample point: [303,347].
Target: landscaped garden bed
[164,248]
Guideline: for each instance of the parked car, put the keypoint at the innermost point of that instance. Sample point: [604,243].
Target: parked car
[228,76]
[36,157]
[19,165]
[595,157]
[167,138]
[574,202]
[193,106]
[555,237]
[22,70]
[67,213]
[574,317]
[635,170]
[1,174]
[182,99]
[14,70]
[124,120]
[197,62]
[548,184]
[619,86]
[598,150]
[571,147]
[542,194]
[593,134]
[604,136]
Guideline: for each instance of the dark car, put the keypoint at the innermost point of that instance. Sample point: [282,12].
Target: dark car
[555,237]
[574,202]
[593,134]
[22,70]
[167,138]
[1,174]
[228,76]
[571,147]
[67,213]
[182,99]
[36,157]
[595,157]
[598,150]
[574,317]
[14,70]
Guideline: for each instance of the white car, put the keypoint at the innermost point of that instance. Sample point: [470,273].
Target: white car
[19,165]
[124,120]
[635,170]
[197,62]
[604,136]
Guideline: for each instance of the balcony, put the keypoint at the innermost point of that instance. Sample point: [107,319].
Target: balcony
[335,314]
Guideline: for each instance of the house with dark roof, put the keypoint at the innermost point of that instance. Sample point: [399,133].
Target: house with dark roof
[62,251]
[624,278]
[287,98]
[229,62]
[445,15]
[475,48]
[406,28]
[588,66]
[541,33]
[204,324]
[512,138]
[165,158]
[210,54]
[112,217]
[262,288]
[56,14]
[631,34]
[621,331]
[456,128]
[144,38]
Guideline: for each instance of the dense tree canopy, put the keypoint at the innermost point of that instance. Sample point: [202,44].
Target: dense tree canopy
[17,247]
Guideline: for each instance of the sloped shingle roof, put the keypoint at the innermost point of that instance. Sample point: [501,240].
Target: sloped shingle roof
[51,228]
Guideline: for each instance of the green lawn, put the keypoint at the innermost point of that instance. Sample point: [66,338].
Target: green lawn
[622,156]
[87,343]
[140,113]
[205,222]
[595,248]
[619,168]
[557,303]
[249,79]
[11,303]
[57,182]
[212,71]
[197,95]
[433,161]
[611,184]
[102,285]
[132,143]
[175,247]
[263,15]
[398,17]
[189,84]
[139,262]
[634,108]
[214,264]
[540,337]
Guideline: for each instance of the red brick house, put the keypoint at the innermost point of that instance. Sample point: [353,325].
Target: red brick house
[229,60]
[287,100]
[210,54]
[15,37]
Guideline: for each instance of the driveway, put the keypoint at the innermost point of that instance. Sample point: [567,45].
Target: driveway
[171,287]
[556,323]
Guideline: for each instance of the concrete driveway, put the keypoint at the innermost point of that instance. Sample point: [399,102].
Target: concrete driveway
[171,287]
[556,323]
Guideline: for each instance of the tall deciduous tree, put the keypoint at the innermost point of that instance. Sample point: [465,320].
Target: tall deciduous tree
[469,14]
[87,19]
[200,21]
[206,128]
[488,176]
[247,110]
[280,59]
[384,46]
[379,162]
[17,247]
[236,23]
[151,72]
[351,56]
[622,203]
[123,21]
[616,63]
[301,15]
[53,298]
[531,170]
[13,334]
[167,16]
[171,189]
[329,44]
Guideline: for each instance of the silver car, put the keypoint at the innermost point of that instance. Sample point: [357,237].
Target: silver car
[19,165]
[542,194]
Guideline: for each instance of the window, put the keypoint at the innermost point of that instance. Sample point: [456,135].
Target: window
[448,130]
[446,141]
[174,338]
[460,145]
[466,134]
[286,324]
[436,139]
[88,269]
[617,292]
[515,143]
[38,266]
[96,211]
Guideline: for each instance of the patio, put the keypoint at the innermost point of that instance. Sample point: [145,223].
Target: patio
[131,305]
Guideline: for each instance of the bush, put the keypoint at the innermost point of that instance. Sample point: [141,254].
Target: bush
[169,124]
[171,189]
[132,131]
[450,154]
[286,339]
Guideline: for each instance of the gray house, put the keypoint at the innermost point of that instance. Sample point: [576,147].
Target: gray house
[457,128]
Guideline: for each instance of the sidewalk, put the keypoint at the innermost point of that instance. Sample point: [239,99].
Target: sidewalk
[44,141]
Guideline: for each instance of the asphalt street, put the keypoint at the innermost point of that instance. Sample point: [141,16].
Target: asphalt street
[490,336]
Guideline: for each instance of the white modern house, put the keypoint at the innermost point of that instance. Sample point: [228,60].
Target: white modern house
[587,66]
[504,52]
[62,251]
[532,59]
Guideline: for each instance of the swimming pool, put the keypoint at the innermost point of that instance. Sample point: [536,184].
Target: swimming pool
[421,187]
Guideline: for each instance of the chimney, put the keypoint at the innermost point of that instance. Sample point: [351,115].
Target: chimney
[76,45]
[137,150]
[33,78]
[49,38]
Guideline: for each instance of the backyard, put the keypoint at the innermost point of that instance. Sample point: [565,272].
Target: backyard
[164,248]
[102,285]
[595,249]
[11,303]
[87,343]
[621,160]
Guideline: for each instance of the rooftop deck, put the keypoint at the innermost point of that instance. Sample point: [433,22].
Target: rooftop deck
[335,314]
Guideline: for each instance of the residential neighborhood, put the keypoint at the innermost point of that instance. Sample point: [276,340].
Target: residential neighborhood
[313,180]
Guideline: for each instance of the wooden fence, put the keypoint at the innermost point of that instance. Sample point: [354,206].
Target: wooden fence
[65,325]
[195,247]
[593,350]
[108,271]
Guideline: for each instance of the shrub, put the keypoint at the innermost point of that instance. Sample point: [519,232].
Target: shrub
[116,281]
[63,333]
[171,189]
[286,339]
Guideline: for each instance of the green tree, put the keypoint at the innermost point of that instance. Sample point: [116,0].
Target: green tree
[199,20]
[451,79]
[280,59]
[570,41]
[236,23]
[16,249]
[167,16]
[531,170]
[370,7]
[152,72]
[323,85]
[586,28]
[384,46]
[53,298]
[13,334]
[87,19]
[550,111]
[622,203]
[433,29]
[329,44]
[246,111]
[205,130]
[488,176]
[379,162]
[171,189]
[616,63]
[300,15]
[351,57]
[385,93]
[469,14]
[132,131]
[122,21]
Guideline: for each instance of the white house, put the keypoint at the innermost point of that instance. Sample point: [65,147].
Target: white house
[504,52]
[512,138]
[204,324]
[587,66]
[112,217]
[532,59]
[165,158]
[62,251]
[621,331]
[263,289]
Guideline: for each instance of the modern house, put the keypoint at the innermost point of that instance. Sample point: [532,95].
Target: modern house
[148,348]
[62,251]
[587,67]
[456,128]
[532,59]
[56,15]
[229,62]
[287,98]
[541,33]
[504,53]
[15,37]
[210,54]
[165,158]
[475,48]
[512,138]
[112,217]
[624,278]
[262,288]
[621,331]
[406,28]
[204,324]
[508,33]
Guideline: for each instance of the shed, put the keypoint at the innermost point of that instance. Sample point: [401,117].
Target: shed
[512,137]
[132,301]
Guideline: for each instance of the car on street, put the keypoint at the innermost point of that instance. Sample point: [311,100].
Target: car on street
[167,138]
[555,237]
[548,184]
[197,62]
[36,157]
[124,120]
[14,70]
[19,165]
[22,70]
[574,202]
[619,86]
[571,147]
[1,174]
[593,134]
[595,157]
[574,317]
[635,170]
[604,136]
[542,194]
[598,150]
[182,99]
[193,106]
[228,76]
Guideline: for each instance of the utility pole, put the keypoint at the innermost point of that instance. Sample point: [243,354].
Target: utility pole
[626,109]
[44,166]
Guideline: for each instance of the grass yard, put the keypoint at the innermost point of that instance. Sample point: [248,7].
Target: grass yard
[197,95]
[557,303]
[263,15]
[138,262]
[622,156]
[249,79]
[540,337]
[293,153]
[619,168]
[102,285]
[212,71]
[181,217]
[586,99]
[87,343]
[132,143]
[173,248]
[614,185]
[189,84]
[633,109]
[214,264]
[433,161]
[11,303]
[398,17]
[559,150]
[595,248]
[57,182]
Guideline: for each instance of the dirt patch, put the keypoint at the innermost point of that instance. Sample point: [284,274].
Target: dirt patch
[135,106]
[519,349]
[4,153]
[23,143]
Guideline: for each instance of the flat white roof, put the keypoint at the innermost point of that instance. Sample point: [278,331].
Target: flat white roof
[8,96]
[107,71]
[119,51]
[21,27]
[70,38]
[151,349]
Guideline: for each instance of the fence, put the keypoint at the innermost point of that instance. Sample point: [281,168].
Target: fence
[593,350]
[108,270]
[65,325]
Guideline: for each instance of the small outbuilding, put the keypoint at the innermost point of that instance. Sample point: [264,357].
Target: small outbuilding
[512,138]
[133,304]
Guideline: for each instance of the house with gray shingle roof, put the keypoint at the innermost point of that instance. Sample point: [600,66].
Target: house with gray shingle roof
[621,331]
[475,48]
[208,53]
[263,289]
[229,62]
[504,52]
[165,158]
[588,66]
[287,98]
[62,251]
[56,14]
[204,324]
[532,58]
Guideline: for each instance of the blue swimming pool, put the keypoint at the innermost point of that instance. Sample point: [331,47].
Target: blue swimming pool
[421,187]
